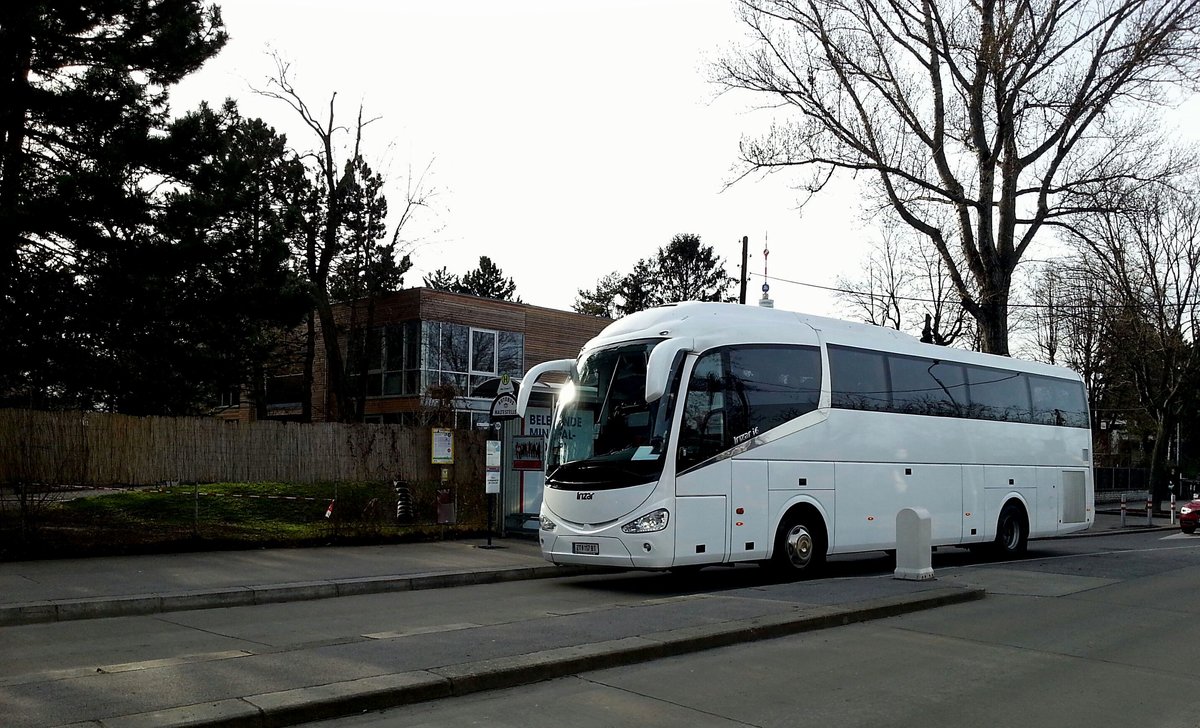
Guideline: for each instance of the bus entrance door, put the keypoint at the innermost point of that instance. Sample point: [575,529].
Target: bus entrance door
[701,516]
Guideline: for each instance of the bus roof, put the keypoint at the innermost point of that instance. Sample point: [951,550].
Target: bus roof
[716,324]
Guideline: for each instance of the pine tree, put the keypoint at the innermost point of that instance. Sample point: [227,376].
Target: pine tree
[84,92]
[640,289]
[683,270]
[488,281]
[602,300]
[193,304]
[688,270]
[443,280]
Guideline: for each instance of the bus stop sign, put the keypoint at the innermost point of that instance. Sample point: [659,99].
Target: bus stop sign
[504,406]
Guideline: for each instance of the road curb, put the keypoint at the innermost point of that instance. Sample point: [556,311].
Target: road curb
[332,700]
[1114,532]
[62,610]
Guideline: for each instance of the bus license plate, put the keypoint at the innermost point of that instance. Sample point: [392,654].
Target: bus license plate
[592,549]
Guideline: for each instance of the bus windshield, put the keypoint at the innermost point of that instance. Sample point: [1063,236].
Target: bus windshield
[605,433]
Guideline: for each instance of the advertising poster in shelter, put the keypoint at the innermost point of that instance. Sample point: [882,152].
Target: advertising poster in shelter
[528,451]
[536,426]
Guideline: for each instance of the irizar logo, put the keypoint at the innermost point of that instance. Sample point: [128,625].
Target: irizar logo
[745,436]
[584,496]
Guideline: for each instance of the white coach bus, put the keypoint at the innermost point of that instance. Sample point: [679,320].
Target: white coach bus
[709,433]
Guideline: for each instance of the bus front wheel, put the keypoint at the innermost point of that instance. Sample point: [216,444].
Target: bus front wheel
[799,546]
[1012,532]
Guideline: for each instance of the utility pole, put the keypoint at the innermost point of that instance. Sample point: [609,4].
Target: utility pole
[745,258]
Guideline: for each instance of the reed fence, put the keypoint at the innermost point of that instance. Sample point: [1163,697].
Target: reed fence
[99,449]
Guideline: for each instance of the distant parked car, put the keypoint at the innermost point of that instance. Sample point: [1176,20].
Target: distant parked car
[1189,516]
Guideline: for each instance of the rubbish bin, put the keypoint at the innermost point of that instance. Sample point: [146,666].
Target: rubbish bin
[445,506]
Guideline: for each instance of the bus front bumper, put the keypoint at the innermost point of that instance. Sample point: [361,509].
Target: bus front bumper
[579,549]
[593,550]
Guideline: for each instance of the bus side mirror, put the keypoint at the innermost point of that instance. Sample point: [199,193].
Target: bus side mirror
[531,377]
[658,367]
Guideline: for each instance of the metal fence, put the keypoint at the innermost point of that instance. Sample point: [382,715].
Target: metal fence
[1116,479]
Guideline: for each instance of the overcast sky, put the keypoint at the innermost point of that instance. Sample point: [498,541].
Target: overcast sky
[567,139]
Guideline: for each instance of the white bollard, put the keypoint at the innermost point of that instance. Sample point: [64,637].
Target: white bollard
[914,537]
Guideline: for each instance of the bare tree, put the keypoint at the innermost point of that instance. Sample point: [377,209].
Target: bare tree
[876,298]
[344,223]
[1010,116]
[907,287]
[946,319]
[1046,315]
[1149,258]
[1071,314]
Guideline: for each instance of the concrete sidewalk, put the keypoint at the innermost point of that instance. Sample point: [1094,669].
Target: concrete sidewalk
[59,590]
[68,589]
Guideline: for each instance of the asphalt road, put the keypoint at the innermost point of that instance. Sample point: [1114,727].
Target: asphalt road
[1086,632]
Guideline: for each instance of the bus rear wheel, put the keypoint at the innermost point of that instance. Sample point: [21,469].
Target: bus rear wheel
[1012,532]
[799,546]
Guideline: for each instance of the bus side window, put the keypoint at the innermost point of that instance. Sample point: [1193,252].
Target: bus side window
[776,383]
[998,395]
[926,387]
[1060,402]
[859,379]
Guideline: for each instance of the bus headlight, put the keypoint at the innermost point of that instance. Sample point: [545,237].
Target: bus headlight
[547,524]
[649,523]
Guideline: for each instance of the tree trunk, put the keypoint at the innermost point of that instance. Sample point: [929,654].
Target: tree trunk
[992,317]
[1159,475]
[993,334]
[335,368]
[260,392]
[310,353]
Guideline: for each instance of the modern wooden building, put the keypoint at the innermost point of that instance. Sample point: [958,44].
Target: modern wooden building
[424,349]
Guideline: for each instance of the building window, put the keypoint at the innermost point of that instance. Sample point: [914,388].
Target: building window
[446,356]
[464,357]
[392,359]
[401,371]
[511,354]
[284,390]
[483,351]
[409,358]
